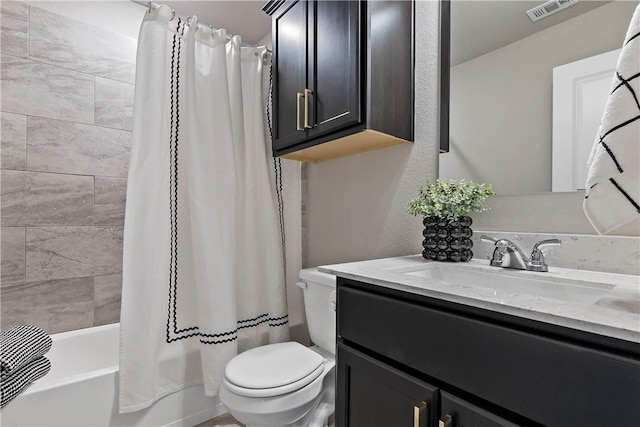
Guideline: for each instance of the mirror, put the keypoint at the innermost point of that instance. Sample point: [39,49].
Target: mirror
[501,86]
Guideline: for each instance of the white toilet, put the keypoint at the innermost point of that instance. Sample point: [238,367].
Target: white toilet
[288,384]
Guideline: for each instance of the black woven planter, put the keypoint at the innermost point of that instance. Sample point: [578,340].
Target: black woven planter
[446,240]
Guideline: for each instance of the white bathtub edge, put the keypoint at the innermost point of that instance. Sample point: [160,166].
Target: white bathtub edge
[37,387]
[78,332]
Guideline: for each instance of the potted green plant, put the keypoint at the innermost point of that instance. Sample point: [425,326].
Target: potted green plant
[445,207]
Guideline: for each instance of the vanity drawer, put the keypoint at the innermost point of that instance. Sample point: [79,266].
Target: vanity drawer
[545,380]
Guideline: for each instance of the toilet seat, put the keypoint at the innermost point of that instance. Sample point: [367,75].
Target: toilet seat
[273,391]
[273,370]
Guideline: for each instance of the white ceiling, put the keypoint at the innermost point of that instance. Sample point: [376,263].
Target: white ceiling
[240,17]
[481,26]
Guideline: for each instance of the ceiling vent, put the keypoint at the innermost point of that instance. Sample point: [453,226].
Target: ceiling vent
[549,8]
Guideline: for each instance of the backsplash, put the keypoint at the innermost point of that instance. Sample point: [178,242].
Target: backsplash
[584,252]
[67,107]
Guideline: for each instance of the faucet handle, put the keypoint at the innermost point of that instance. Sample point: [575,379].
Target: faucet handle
[537,257]
[488,239]
[501,244]
[546,243]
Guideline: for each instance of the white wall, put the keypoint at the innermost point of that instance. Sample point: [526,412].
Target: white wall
[356,205]
[501,102]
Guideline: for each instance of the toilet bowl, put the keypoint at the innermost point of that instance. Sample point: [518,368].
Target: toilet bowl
[288,384]
[269,407]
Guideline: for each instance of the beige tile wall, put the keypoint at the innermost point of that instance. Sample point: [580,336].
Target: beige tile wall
[66,120]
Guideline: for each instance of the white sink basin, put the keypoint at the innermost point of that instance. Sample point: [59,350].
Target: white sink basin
[544,285]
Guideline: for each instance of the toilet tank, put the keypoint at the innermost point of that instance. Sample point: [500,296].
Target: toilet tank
[319,303]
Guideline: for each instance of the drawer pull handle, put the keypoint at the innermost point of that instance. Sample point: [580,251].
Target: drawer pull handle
[298,96]
[418,410]
[307,92]
[445,421]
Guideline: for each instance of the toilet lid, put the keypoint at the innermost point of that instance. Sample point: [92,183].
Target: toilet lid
[272,366]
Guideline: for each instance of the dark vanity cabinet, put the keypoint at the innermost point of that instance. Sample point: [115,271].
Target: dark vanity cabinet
[411,360]
[373,393]
[342,76]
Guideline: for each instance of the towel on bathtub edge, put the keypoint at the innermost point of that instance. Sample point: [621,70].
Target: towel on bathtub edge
[14,384]
[20,345]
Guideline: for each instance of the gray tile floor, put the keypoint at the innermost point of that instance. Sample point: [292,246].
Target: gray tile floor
[225,420]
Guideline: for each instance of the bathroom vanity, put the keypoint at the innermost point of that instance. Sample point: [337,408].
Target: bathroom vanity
[438,344]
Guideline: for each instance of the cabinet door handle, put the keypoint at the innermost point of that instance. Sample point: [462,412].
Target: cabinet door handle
[445,421]
[307,92]
[418,411]
[298,96]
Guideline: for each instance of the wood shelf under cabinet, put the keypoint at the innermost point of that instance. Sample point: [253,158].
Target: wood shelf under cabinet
[365,140]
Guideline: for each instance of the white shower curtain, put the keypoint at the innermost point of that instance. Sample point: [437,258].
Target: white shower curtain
[202,272]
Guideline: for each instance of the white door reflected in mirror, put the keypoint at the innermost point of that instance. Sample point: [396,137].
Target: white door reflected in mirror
[580,93]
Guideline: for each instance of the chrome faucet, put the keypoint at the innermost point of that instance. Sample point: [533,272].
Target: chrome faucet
[509,255]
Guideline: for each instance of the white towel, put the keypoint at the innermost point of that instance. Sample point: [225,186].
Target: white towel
[612,198]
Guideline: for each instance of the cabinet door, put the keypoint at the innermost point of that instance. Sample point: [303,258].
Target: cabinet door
[334,67]
[456,412]
[371,394]
[289,72]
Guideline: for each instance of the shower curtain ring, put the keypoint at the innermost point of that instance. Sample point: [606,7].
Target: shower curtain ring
[149,4]
[173,15]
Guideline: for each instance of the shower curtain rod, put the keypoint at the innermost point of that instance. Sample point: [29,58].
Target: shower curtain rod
[153,5]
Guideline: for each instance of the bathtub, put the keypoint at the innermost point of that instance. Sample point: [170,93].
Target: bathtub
[82,389]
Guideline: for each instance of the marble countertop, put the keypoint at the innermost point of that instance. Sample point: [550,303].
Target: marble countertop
[614,313]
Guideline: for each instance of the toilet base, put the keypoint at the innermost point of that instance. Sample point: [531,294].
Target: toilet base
[316,417]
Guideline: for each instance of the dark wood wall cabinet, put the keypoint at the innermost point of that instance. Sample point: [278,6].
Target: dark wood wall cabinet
[343,76]
[410,360]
